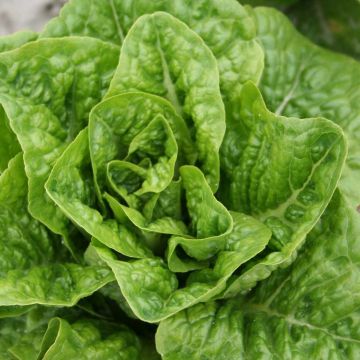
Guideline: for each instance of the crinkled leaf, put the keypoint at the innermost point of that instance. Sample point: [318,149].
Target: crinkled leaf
[152,290]
[24,242]
[71,186]
[210,223]
[300,79]
[281,170]
[203,332]
[32,270]
[149,166]
[58,284]
[226,27]
[312,307]
[159,56]
[47,89]
[307,311]
[161,220]
[117,121]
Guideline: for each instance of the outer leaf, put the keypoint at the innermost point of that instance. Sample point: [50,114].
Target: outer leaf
[13,41]
[28,274]
[203,332]
[158,57]
[23,240]
[303,80]
[151,289]
[304,315]
[308,311]
[283,171]
[86,339]
[225,26]
[21,337]
[58,284]
[70,186]
[47,89]
[334,25]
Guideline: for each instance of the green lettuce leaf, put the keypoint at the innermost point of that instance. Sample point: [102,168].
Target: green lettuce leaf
[56,333]
[9,143]
[19,340]
[226,27]
[116,122]
[47,89]
[310,310]
[86,339]
[300,79]
[71,186]
[205,331]
[21,336]
[32,268]
[153,291]
[157,57]
[283,171]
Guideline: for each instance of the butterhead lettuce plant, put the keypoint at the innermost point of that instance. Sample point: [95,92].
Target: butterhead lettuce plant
[178,180]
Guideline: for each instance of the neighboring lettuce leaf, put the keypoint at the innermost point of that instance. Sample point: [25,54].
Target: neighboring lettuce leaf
[329,23]
[47,89]
[11,311]
[32,269]
[18,340]
[300,79]
[281,4]
[158,57]
[87,339]
[308,311]
[152,290]
[13,41]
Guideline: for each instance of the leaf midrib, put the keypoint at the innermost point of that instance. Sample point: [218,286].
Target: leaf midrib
[168,83]
[256,308]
